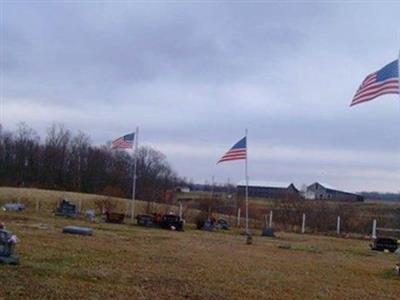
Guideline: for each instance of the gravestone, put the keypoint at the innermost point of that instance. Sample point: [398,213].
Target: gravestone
[90,215]
[223,224]
[7,248]
[115,218]
[78,230]
[208,225]
[268,231]
[13,207]
[66,209]
[249,239]
[145,220]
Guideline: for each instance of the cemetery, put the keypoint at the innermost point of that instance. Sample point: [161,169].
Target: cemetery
[174,143]
[114,252]
[77,236]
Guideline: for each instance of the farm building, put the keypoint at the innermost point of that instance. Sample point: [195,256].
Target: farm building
[318,191]
[182,189]
[271,190]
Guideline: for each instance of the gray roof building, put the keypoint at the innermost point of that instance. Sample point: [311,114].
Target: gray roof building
[271,190]
[318,191]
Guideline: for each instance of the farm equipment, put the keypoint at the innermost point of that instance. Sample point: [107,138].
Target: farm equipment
[168,221]
[172,222]
[384,243]
[7,245]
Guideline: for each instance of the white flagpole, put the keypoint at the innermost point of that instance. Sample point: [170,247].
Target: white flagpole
[134,174]
[247,189]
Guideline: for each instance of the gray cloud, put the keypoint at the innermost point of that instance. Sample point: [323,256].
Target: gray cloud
[194,75]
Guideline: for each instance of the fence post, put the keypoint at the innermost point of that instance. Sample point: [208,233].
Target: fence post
[374,229]
[270,219]
[266,221]
[238,217]
[80,206]
[303,225]
[338,225]
[37,204]
[180,210]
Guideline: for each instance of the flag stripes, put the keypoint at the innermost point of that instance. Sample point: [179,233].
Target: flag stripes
[385,81]
[238,151]
[124,142]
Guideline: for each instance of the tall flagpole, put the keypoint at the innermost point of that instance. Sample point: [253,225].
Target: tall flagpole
[398,70]
[398,66]
[135,154]
[247,188]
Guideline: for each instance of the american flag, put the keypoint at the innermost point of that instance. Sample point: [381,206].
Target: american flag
[384,81]
[238,151]
[124,142]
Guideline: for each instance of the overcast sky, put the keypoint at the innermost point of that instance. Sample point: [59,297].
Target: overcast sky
[194,75]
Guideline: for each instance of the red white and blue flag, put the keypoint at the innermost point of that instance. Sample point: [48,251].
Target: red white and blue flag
[238,151]
[384,81]
[124,142]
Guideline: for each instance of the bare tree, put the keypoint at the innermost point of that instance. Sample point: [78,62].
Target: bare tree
[56,156]
[70,162]
[154,174]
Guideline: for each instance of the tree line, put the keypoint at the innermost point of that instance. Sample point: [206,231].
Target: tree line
[67,161]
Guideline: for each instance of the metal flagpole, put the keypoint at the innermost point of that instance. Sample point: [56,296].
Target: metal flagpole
[247,189]
[135,153]
[398,70]
[212,196]
[398,66]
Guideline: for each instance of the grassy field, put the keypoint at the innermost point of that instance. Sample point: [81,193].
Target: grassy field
[49,199]
[130,262]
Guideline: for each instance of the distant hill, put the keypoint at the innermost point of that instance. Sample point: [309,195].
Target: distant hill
[376,196]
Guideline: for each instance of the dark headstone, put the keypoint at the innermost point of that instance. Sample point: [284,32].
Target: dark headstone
[145,220]
[115,218]
[66,209]
[7,248]
[223,224]
[268,231]
[208,225]
[249,239]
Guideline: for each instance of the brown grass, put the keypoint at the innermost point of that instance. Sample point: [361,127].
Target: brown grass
[129,262]
[49,200]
